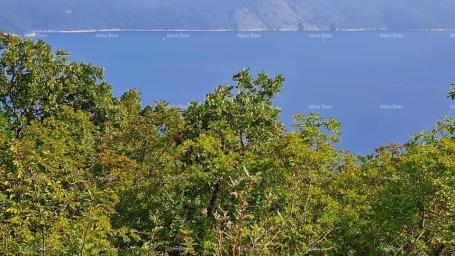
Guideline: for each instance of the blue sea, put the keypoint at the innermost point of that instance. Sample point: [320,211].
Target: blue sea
[383,86]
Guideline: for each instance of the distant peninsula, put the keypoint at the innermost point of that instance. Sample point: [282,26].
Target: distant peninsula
[24,16]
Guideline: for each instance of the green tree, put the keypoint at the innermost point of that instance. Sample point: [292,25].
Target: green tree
[84,173]
[238,183]
[52,201]
[404,197]
[35,83]
[452,92]
[55,205]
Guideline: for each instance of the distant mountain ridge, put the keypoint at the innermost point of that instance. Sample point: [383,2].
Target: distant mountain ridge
[22,16]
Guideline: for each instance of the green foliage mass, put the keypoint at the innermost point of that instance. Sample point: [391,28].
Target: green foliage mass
[85,173]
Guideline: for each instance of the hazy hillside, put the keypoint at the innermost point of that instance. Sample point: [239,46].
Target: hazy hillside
[25,15]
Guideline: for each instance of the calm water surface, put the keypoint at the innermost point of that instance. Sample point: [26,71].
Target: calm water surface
[382,86]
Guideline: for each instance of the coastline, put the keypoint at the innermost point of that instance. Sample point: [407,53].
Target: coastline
[107,30]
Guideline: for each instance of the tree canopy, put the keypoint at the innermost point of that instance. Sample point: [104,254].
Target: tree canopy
[85,173]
